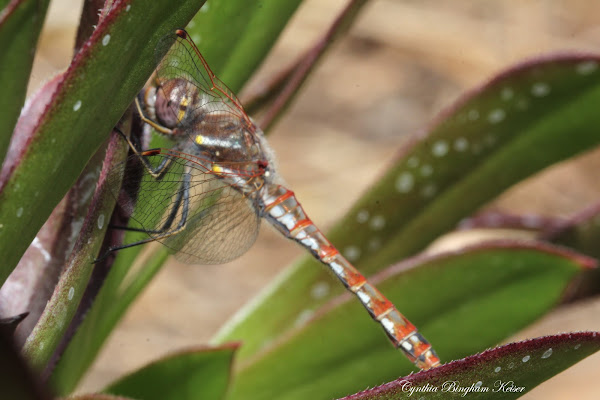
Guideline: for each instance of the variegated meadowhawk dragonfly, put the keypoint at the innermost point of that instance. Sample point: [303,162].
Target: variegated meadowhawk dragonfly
[204,197]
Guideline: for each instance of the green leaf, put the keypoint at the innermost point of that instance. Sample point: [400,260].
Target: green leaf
[506,372]
[117,293]
[463,302]
[20,25]
[522,121]
[197,374]
[58,313]
[97,88]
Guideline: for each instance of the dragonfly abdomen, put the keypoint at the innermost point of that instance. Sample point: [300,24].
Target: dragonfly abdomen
[282,209]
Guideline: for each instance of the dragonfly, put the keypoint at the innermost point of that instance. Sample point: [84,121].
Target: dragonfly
[204,198]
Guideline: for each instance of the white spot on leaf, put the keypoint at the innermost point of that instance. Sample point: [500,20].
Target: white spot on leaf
[77,105]
[100,221]
[586,67]
[19,212]
[319,290]
[497,115]
[497,369]
[547,353]
[71,293]
[405,182]
[352,253]
[440,148]
[540,89]
[362,216]
[105,39]
[377,222]
[526,358]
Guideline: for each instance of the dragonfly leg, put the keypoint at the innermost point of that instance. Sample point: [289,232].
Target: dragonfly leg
[153,124]
[182,201]
[156,172]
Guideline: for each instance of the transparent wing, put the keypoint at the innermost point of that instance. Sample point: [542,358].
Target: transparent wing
[193,212]
[178,59]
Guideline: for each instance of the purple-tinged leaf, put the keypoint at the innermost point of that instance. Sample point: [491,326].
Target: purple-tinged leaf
[63,304]
[500,220]
[24,131]
[31,284]
[91,13]
[9,324]
[287,85]
[505,372]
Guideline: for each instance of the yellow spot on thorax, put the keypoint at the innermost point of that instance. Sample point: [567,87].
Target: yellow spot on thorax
[217,168]
[199,139]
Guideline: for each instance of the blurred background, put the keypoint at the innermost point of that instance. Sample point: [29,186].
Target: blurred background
[400,64]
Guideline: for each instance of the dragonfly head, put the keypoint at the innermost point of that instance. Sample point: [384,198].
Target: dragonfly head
[169,102]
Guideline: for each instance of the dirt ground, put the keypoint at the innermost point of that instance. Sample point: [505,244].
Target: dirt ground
[400,64]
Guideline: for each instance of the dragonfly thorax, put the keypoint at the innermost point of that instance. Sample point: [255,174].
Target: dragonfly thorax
[238,155]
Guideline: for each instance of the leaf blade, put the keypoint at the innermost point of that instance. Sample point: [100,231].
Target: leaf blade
[506,372]
[194,374]
[20,26]
[463,302]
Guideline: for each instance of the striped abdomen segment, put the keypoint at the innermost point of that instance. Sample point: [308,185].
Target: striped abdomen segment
[283,211]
